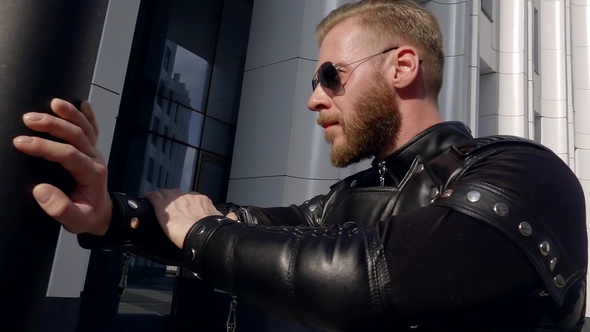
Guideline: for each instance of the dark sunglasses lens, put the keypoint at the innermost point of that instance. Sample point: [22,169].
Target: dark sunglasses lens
[329,77]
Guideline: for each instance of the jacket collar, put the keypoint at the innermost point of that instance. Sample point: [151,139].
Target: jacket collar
[428,144]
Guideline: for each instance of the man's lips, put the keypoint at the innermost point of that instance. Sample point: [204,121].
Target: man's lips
[328,124]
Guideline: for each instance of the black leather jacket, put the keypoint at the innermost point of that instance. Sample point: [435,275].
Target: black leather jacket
[449,233]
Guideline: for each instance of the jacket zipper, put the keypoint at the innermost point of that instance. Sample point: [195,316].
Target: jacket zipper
[123,280]
[231,318]
[382,171]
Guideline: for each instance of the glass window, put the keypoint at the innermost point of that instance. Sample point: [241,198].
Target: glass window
[160,93]
[155,129]
[181,168]
[226,84]
[166,141]
[190,78]
[166,62]
[186,127]
[187,60]
[218,137]
[150,171]
[211,180]
[159,182]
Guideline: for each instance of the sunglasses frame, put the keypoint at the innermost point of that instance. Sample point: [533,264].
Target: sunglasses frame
[318,77]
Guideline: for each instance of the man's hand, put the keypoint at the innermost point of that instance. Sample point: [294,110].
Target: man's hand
[178,211]
[89,207]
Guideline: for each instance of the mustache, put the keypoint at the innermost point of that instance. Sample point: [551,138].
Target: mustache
[324,119]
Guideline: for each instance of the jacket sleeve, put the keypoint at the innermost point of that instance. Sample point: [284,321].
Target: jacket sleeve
[134,227]
[412,267]
[293,215]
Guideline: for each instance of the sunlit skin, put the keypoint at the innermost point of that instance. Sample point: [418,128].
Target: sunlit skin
[346,43]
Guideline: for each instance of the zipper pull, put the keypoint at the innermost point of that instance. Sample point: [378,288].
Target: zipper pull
[231,318]
[123,281]
[382,170]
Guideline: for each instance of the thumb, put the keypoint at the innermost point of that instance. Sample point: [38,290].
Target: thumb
[57,205]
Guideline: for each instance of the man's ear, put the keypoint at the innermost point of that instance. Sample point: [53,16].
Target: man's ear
[404,67]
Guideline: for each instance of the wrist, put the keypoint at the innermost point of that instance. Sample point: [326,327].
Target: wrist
[232,216]
[105,222]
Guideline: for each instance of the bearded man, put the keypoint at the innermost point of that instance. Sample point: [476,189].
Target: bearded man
[445,232]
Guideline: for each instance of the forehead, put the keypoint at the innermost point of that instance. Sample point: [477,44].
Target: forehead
[342,44]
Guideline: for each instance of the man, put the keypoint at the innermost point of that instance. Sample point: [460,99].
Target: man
[443,233]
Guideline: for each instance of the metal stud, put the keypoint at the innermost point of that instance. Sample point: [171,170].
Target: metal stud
[200,229]
[545,248]
[194,254]
[353,184]
[433,192]
[525,228]
[447,193]
[414,327]
[133,204]
[501,209]
[559,281]
[419,168]
[134,222]
[543,293]
[313,207]
[473,196]
[552,264]
[196,275]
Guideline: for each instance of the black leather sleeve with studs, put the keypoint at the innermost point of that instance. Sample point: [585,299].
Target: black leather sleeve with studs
[134,228]
[332,278]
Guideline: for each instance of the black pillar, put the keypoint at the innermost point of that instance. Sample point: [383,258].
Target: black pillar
[48,49]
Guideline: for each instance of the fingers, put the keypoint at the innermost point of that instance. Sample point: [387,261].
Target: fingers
[84,169]
[57,205]
[61,129]
[70,113]
[155,197]
[88,112]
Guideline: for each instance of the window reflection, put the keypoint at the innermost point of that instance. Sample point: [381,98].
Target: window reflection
[174,169]
[192,72]
[176,125]
[218,137]
[211,177]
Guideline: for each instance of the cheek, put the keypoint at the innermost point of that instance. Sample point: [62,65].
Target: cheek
[343,109]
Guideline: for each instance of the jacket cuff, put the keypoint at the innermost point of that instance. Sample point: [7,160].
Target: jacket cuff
[134,228]
[119,232]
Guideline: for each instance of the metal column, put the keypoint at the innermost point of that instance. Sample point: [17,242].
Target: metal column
[48,49]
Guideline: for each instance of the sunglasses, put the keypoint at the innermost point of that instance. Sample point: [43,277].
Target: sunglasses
[328,74]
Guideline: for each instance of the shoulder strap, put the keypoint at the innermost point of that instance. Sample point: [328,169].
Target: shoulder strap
[494,207]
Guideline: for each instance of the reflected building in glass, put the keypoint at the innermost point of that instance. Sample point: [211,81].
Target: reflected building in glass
[165,161]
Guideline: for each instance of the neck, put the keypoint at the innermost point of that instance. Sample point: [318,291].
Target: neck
[416,116]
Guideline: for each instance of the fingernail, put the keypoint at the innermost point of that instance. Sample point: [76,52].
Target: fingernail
[58,103]
[42,194]
[33,116]
[23,139]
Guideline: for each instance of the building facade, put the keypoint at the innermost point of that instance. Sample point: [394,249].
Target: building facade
[211,95]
